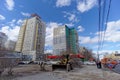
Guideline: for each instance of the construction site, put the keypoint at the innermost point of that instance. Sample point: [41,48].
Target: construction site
[33,71]
[54,67]
[59,40]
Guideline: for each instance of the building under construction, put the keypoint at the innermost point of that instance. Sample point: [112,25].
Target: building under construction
[65,39]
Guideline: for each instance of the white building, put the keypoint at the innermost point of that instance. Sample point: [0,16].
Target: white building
[3,39]
[10,45]
[59,40]
[31,38]
[65,40]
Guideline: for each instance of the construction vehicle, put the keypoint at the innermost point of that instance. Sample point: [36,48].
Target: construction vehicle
[65,61]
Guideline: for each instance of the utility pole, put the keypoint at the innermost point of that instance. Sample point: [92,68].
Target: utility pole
[98,56]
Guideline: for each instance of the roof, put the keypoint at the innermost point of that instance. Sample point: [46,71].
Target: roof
[34,14]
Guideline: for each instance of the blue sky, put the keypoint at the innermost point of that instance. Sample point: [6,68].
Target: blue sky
[80,14]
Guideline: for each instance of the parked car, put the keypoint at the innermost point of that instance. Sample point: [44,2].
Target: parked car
[21,62]
[89,63]
[24,62]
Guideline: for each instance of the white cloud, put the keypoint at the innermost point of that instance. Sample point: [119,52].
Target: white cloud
[12,33]
[113,26]
[112,34]
[69,24]
[80,29]
[11,29]
[61,3]
[86,40]
[25,14]
[113,31]
[71,16]
[12,23]
[104,46]
[10,4]
[20,21]
[2,17]
[104,52]
[49,32]
[85,5]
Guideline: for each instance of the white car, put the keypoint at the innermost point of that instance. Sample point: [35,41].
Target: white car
[89,63]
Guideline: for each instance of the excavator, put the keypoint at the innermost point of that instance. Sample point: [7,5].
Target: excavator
[65,61]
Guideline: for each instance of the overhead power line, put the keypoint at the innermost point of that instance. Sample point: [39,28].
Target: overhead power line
[99,21]
[106,22]
[102,23]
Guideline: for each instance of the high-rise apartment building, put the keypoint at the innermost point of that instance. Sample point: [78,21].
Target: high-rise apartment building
[65,39]
[31,39]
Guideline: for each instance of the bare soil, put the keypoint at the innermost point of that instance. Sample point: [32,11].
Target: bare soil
[88,72]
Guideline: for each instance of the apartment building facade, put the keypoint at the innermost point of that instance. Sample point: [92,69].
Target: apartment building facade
[65,39]
[31,38]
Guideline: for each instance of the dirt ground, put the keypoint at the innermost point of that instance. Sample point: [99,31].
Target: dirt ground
[31,72]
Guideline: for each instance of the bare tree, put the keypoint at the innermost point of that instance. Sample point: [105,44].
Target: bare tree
[8,63]
[87,53]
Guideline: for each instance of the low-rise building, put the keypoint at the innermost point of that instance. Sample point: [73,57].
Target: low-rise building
[115,56]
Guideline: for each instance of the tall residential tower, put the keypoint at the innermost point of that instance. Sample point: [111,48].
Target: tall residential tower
[65,39]
[31,39]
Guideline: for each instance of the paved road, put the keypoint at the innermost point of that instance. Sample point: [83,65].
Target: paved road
[85,73]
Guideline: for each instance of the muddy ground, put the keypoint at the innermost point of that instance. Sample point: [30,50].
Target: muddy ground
[88,72]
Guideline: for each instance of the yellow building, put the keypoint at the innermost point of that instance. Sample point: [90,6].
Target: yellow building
[114,56]
[31,39]
[19,43]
